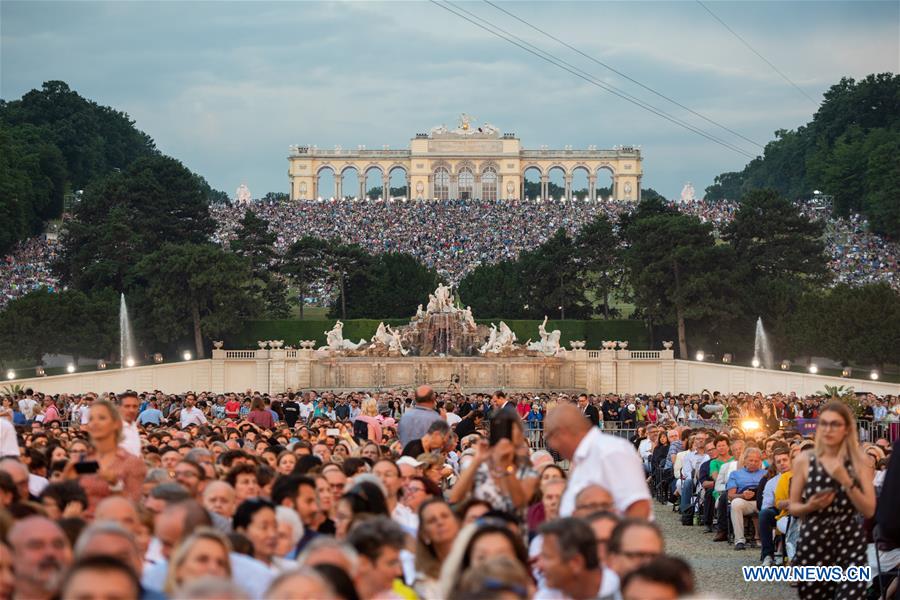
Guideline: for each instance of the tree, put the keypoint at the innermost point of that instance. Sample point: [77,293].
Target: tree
[156,201]
[305,263]
[551,278]
[677,271]
[495,290]
[254,242]
[191,289]
[597,256]
[345,262]
[276,197]
[29,327]
[391,286]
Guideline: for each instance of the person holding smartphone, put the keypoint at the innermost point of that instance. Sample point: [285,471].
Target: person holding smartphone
[499,472]
[107,469]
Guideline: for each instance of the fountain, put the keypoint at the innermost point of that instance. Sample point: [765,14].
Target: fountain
[126,338]
[762,351]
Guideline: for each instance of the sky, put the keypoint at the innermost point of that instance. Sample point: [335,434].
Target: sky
[227,87]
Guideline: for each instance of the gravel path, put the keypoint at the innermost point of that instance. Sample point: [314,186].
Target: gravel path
[717,566]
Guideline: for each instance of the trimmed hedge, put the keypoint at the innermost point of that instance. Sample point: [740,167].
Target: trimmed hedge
[292,331]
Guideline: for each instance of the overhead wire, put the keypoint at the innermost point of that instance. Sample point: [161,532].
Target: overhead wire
[621,74]
[753,50]
[562,64]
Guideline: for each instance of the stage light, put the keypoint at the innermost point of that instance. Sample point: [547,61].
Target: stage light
[129,362]
[846,371]
[727,358]
[70,368]
[700,355]
[187,355]
[157,358]
[755,362]
[749,425]
[40,372]
[873,375]
[813,369]
[101,364]
[785,365]
[10,374]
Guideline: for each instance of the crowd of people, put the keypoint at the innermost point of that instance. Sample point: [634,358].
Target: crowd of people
[418,494]
[455,236]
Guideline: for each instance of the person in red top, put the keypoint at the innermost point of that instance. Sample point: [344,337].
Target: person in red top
[523,408]
[233,408]
[259,416]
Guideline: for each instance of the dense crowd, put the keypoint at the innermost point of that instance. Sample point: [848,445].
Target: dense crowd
[456,236]
[417,494]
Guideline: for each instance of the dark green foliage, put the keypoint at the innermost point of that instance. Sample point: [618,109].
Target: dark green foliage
[848,150]
[256,243]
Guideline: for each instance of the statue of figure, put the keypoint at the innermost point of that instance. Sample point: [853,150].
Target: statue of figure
[335,339]
[549,343]
[468,319]
[432,304]
[505,337]
[381,335]
[395,342]
[442,298]
[420,313]
[491,341]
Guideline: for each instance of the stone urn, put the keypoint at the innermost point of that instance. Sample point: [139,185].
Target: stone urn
[668,345]
[262,344]
[623,345]
[218,344]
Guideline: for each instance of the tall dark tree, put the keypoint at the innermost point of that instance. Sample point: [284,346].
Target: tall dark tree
[155,201]
[598,257]
[191,290]
[495,291]
[304,263]
[346,261]
[390,286]
[256,243]
[552,279]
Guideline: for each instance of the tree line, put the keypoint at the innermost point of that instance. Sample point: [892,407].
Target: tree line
[849,151]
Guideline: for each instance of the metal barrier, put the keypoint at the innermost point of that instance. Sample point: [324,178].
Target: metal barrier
[535,435]
[869,431]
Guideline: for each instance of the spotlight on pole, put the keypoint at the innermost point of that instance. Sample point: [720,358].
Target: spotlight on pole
[785,365]
[101,364]
[846,372]
[700,355]
[10,374]
[727,358]
[873,375]
[755,362]
[40,372]
[157,358]
[70,368]
[129,362]
[813,368]
[187,355]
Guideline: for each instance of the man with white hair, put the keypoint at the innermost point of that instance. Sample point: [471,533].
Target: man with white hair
[42,554]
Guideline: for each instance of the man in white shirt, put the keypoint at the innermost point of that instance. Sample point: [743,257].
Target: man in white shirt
[128,410]
[451,416]
[645,448]
[190,414]
[9,443]
[597,458]
[26,406]
[690,463]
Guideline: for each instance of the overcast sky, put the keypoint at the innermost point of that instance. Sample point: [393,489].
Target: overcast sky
[226,87]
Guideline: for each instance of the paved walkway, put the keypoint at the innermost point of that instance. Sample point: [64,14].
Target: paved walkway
[717,566]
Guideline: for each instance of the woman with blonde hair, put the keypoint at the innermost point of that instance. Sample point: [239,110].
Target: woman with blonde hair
[831,487]
[205,553]
[106,469]
[368,414]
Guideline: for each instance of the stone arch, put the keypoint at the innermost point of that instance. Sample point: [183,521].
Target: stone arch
[349,187]
[328,187]
[531,166]
[581,180]
[557,187]
[325,167]
[399,185]
[532,189]
[465,164]
[605,182]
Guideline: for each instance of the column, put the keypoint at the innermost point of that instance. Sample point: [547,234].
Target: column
[545,180]
[568,188]
[409,191]
[385,186]
[639,188]
[362,187]
[338,180]
[454,186]
[592,188]
[614,193]
[476,187]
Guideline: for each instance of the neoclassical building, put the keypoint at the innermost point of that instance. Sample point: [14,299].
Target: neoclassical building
[468,162]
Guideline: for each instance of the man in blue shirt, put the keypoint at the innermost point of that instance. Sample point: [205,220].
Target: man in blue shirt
[741,489]
[150,415]
[416,420]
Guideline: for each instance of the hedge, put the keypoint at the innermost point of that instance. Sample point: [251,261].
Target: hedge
[292,331]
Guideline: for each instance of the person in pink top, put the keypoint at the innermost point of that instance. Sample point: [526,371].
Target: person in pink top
[369,415]
[259,416]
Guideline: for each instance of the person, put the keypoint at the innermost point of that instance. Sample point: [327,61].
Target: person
[128,409]
[190,414]
[108,469]
[368,419]
[219,498]
[364,498]
[100,576]
[378,543]
[500,404]
[633,542]
[438,528]
[770,505]
[569,562]
[433,440]
[690,466]
[291,409]
[303,583]
[663,578]
[499,577]
[389,473]
[9,443]
[741,488]
[109,538]
[416,420]
[151,415]
[42,554]
[831,486]
[259,416]
[593,498]
[205,553]
[588,410]
[599,458]
[255,519]
[476,544]
[7,573]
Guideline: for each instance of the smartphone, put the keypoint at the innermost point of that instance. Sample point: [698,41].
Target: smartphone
[501,429]
[332,431]
[86,467]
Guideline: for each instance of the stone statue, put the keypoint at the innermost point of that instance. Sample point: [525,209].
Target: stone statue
[491,342]
[381,335]
[420,313]
[687,193]
[468,319]
[442,296]
[335,339]
[432,305]
[395,341]
[549,343]
[506,339]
